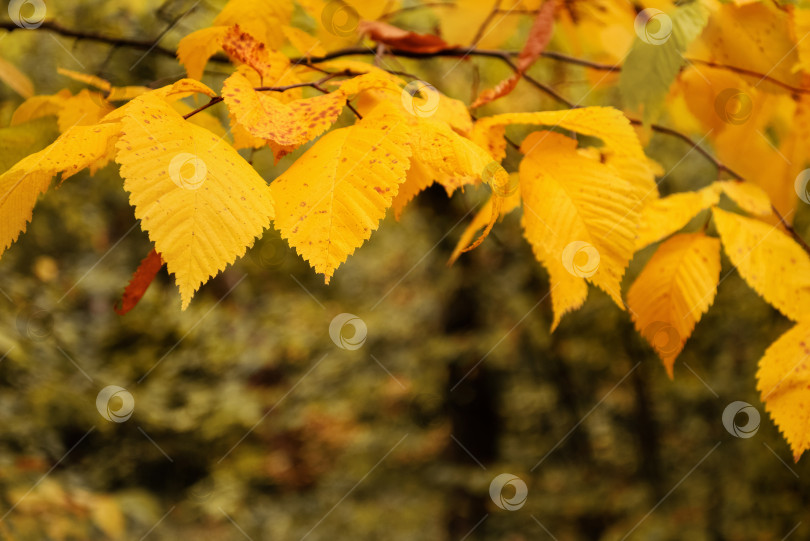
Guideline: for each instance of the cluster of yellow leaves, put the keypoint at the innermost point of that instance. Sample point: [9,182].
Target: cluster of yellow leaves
[587,208]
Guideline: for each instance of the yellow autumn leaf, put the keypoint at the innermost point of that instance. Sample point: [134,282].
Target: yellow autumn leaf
[17,80]
[675,289]
[86,78]
[85,108]
[332,198]
[195,49]
[575,206]
[769,260]
[665,216]
[289,124]
[39,106]
[199,201]
[260,18]
[77,148]
[622,149]
[482,218]
[783,380]
[749,197]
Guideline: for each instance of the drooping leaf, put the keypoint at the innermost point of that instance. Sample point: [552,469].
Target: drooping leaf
[665,216]
[84,109]
[574,205]
[622,150]
[140,282]
[332,198]
[481,220]
[195,49]
[654,61]
[783,380]
[769,260]
[200,202]
[675,289]
[77,148]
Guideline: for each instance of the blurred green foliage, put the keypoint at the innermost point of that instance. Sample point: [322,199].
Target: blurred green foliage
[250,422]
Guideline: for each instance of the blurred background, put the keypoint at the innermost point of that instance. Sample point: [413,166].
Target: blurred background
[250,422]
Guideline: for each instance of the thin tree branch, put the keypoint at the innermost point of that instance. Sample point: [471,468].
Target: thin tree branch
[790,230]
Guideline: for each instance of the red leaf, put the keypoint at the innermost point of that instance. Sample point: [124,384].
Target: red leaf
[539,36]
[401,39]
[143,276]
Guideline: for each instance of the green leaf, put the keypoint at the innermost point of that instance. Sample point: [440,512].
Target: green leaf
[656,56]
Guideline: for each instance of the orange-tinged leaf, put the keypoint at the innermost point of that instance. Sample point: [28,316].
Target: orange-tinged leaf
[140,282]
[398,38]
[199,201]
[577,214]
[332,198]
[676,287]
[769,260]
[288,124]
[77,148]
[539,37]
[244,48]
[783,380]
[665,216]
